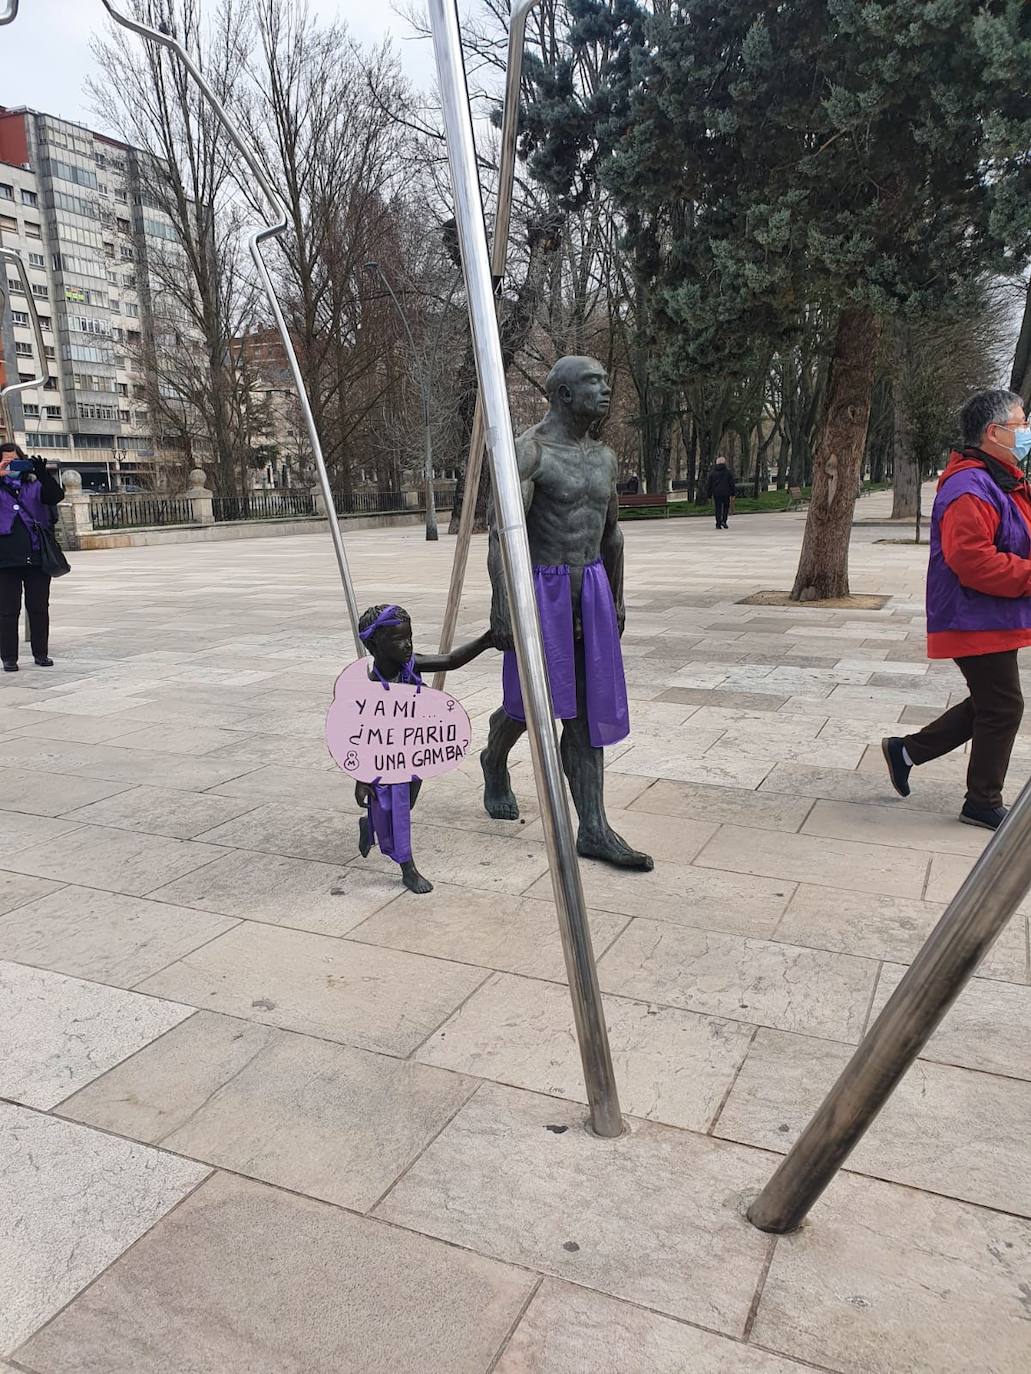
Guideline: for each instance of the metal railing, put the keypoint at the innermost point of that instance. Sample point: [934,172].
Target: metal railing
[277,504]
[139,512]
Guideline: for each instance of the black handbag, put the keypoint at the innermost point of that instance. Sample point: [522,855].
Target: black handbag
[51,555]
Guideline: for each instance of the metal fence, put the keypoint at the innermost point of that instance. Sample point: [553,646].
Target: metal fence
[139,512]
[275,504]
[411,501]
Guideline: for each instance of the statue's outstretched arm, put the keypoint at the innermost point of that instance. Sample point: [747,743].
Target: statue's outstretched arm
[612,557]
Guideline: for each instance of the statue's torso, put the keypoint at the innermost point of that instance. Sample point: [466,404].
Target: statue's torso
[572,488]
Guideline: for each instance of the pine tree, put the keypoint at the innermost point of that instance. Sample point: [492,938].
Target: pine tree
[870,157]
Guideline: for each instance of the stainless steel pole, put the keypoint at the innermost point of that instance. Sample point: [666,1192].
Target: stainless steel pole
[515,550]
[958,943]
[498,263]
[9,12]
[254,242]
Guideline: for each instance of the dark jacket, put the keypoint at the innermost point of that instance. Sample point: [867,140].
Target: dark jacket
[721,481]
[22,503]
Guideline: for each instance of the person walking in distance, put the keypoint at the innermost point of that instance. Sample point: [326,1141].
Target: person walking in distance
[978,602]
[720,488]
[28,495]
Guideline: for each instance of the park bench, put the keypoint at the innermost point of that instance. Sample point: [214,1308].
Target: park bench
[796,501]
[639,500]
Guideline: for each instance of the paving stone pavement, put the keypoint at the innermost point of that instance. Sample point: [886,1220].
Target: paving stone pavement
[262,1110]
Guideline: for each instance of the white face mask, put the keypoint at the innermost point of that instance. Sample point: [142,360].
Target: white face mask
[1021,440]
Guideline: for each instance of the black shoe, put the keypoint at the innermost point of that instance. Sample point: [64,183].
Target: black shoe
[43,662]
[988,817]
[10,667]
[898,769]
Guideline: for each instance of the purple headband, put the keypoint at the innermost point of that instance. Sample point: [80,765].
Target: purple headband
[387,616]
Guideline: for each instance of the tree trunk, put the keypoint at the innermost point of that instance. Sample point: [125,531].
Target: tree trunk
[1020,378]
[906,481]
[823,564]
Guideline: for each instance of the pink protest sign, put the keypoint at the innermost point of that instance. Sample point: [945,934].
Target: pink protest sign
[390,735]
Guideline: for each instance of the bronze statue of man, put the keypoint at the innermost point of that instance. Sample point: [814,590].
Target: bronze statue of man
[576,546]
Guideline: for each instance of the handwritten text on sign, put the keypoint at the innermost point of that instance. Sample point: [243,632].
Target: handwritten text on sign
[394,735]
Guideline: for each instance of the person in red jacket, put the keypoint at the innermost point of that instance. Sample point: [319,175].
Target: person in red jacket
[978,602]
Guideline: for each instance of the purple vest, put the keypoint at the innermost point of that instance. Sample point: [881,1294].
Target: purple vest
[950,605]
[28,503]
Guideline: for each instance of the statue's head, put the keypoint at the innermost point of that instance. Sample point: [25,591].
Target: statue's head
[387,631]
[579,387]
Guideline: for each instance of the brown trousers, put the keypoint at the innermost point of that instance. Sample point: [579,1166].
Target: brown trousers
[990,718]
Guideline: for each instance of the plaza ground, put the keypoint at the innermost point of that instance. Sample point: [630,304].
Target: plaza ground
[248,1124]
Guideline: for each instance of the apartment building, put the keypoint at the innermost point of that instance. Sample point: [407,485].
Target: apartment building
[73,205]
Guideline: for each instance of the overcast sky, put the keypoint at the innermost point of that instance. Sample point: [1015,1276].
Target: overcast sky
[45,54]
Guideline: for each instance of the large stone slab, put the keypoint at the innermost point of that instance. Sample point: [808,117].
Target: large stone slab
[72,1201]
[686,896]
[17,889]
[104,936]
[161,811]
[723,805]
[492,930]
[60,1033]
[48,794]
[884,1278]
[652,1217]
[988,1027]
[302,832]
[495,862]
[568,1328]
[900,826]
[671,1065]
[116,860]
[879,927]
[243,1278]
[320,1119]
[376,999]
[945,1129]
[669,839]
[805,858]
[322,898]
[755,981]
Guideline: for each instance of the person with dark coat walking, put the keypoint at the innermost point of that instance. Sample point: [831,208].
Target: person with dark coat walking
[28,495]
[720,487]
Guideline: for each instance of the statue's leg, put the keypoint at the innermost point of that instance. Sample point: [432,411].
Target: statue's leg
[498,798]
[585,769]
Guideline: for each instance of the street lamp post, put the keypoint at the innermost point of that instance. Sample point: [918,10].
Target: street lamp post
[424,391]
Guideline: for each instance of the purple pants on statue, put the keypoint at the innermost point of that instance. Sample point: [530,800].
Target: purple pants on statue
[608,715]
[390,819]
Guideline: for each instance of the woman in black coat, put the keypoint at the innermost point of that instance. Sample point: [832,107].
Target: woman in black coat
[28,495]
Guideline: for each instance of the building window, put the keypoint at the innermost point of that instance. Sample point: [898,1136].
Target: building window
[32,231]
[42,292]
[23,350]
[50,441]
[29,198]
[124,416]
[44,321]
[9,224]
[31,410]
[48,350]
[20,317]
[37,260]
[141,417]
[123,388]
[53,412]
[50,384]
[127,254]
[124,226]
[15,286]
[6,192]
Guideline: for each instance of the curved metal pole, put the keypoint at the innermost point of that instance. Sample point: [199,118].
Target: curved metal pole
[498,263]
[9,12]
[254,242]
[515,552]
[9,255]
[424,397]
[939,973]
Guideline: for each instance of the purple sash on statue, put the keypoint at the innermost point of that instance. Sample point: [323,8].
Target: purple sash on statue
[608,715]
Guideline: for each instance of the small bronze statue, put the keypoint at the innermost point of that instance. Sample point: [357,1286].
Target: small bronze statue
[572,515]
[387,630]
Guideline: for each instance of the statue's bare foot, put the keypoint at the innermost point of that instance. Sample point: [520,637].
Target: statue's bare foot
[498,798]
[611,848]
[364,838]
[413,879]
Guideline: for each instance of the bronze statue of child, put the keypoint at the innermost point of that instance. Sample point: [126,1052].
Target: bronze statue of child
[387,632]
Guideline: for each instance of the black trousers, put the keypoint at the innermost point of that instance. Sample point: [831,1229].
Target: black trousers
[989,717]
[722,509]
[37,603]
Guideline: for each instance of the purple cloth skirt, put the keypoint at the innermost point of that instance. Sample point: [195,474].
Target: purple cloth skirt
[390,819]
[608,715]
